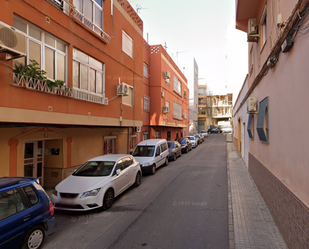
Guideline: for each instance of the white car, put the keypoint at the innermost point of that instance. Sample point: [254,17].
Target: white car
[151,154]
[193,141]
[97,182]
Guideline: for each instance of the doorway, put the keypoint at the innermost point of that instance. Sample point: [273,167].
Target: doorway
[34,159]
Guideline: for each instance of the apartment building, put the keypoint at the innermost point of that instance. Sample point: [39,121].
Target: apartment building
[270,126]
[80,95]
[166,96]
[213,110]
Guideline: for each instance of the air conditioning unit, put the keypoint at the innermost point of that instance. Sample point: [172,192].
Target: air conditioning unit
[252,105]
[105,101]
[162,94]
[123,89]
[138,129]
[252,33]
[165,109]
[12,41]
[167,75]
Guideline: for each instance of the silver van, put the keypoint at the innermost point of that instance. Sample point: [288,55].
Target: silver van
[151,154]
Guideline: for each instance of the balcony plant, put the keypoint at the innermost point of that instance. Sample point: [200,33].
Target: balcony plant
[33,76]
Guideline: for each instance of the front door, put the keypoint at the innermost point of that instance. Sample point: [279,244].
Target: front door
[33,159]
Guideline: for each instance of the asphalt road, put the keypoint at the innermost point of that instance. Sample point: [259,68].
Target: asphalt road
[184,205]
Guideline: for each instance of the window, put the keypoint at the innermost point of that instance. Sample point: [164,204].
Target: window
[10,203]
[88,73]
[91,13]
[49,51]
[145,135]
[250,127]
[177,110]
[167,104]
[168,138]
[128,100]
[146,104]
[262,122]
[110,145]
[177,85]
[157,134]
[163,147]
[263,25]
[145,70]
[33,198]
[127,44]
[158,152]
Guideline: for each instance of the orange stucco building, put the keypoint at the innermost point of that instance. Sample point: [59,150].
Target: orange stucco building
[95,52]
[166,99]
[77,81]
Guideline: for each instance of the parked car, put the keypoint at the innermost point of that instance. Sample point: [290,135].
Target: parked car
[151,154]
[214,130]
[193,141]
[198,138]
[201,136]
[97,182]
[205,134]
[26,213]
[226,130]
[174,150]
[186,145]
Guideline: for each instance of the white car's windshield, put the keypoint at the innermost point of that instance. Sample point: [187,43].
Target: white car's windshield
[144,151]
[95,168]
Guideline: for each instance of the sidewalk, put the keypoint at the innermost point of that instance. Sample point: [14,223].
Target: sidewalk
[250,222]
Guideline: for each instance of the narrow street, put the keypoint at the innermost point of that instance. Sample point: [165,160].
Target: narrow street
[184,205]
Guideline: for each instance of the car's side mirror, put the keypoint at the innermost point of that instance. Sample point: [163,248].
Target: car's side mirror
[118,172]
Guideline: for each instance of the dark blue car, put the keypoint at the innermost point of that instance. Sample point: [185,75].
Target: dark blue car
[26,213]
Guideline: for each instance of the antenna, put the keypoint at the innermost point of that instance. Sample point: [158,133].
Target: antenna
[165,47]
[138,8]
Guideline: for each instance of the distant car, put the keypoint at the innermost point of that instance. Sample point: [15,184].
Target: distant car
[198,138]
[226,129]
[201,136]
[193,141]
[97,182]
[205,134]
[186,145]
[151,154]
[26,213]
[214,130]
[174,150]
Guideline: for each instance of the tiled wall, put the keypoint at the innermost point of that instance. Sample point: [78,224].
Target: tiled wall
[290,214]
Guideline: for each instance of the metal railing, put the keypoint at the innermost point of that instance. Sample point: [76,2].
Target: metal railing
[79,94]
[40,85]
[70,10]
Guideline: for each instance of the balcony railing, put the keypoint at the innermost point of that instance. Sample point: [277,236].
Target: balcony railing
[70,9]
[40,85]
[79,94]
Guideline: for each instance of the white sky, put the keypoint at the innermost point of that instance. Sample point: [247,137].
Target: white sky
[204,30]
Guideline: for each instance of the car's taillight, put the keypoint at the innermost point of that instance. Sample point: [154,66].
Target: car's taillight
[51,208]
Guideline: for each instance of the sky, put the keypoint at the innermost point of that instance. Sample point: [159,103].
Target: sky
[203,30]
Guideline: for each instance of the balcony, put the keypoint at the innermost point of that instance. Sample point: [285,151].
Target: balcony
[70,10]
[202,114]
[40,85]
